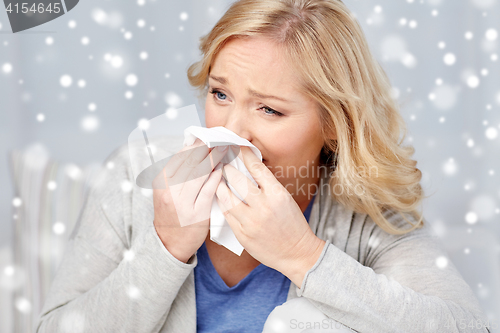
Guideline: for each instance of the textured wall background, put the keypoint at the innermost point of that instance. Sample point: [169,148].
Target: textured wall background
[76,87]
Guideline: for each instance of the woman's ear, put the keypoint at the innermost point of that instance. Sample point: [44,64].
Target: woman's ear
[328,154]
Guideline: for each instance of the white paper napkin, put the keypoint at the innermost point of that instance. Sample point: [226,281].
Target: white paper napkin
[220,232]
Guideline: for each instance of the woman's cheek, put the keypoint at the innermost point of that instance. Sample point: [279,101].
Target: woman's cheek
[210,118]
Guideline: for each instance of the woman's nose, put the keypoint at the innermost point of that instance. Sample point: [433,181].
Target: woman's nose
[239,124]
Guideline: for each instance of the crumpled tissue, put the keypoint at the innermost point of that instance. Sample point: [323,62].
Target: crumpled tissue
[220,231]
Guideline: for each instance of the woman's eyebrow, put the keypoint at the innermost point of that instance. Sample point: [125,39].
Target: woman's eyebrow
[224,81]
[220,79]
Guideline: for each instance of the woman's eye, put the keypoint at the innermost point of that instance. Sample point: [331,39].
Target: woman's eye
[216,92]
[271,111]
[268,111]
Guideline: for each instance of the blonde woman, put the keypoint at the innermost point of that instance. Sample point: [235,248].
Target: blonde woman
[297,80]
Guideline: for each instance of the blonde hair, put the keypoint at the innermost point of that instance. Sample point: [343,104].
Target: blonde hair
[352,91]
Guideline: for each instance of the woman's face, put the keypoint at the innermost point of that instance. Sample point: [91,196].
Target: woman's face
[286,129]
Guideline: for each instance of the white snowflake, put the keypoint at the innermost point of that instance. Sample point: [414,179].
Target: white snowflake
[131,80]
[449,59]
[66,81]
[441,262]
[90,123]
[133,292]
[471,217]
[58,228]
[450,167]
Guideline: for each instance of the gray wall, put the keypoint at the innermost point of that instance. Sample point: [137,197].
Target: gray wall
[410,55]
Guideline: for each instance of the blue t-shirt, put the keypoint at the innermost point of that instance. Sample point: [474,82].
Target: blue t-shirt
[243,307]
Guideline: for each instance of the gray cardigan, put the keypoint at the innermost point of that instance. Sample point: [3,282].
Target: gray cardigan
[116,275]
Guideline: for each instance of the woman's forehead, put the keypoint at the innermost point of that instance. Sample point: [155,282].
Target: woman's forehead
[256,51]
[259,64]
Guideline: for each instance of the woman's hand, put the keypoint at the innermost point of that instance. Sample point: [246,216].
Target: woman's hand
[183,200]
[270,226]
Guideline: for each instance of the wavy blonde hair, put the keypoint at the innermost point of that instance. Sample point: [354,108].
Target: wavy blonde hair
[352,91]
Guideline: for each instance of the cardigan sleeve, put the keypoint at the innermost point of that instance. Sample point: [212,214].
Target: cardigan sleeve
[103,284]
[409,285]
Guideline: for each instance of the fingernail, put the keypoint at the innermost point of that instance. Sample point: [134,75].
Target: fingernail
[221,148]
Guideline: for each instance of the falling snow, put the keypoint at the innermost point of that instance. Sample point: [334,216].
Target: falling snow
[23,305]
[444,75]
[131,80]
[66,81]
[473,81]
[133,292]
[73,171]
[16,202]
[90,123]
[59,228]
[173,100]
[7,68]
[126,186]
[171,113]
[128,255]
[449,59]
[441,262]
[491,133]
[491,34]
[143,124]
[51,185]
[450,167]
[471,217]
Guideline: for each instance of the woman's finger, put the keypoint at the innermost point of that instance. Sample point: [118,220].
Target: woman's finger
[198,154]
[259,171]
[205,198]
[241,184]
[191,186]
[178,158]
[200,173]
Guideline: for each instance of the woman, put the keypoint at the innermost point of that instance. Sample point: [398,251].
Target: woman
[363,257]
